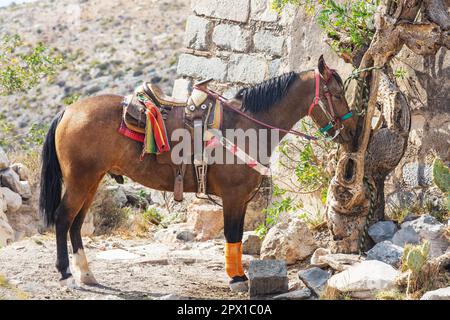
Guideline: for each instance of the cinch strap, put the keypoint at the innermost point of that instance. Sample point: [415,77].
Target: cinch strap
[233,259]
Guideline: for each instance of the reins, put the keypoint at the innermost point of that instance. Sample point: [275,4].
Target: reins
[245,115]
[330,114]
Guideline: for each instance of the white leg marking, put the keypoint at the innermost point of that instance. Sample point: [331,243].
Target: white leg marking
[82,270]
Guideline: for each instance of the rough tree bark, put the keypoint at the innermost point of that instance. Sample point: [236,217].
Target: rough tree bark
[424,27]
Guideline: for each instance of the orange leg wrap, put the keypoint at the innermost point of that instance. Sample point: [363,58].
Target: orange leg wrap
[233,259]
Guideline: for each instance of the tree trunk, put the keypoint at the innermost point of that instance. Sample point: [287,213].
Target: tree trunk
[356,193]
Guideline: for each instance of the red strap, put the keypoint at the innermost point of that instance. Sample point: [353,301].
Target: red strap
[317,96]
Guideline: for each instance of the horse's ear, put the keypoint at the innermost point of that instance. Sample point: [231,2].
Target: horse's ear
[323,68]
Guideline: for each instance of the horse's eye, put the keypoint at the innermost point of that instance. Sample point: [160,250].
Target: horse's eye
[204,106]
[192,108]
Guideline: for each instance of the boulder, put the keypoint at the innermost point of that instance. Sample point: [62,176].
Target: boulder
[315,258]
[301,294]
[13,200]
[118,195]
[254,216]
[251,243]
[206,219]
[21,170]
[386,252]
[365,279]
[289,240]
[26,190]
[340,261]
[11,180]
[439,294]
[430,229]
[406,235]
[6,231]
[4,162]
[267,277]
[382,230]
[315,279]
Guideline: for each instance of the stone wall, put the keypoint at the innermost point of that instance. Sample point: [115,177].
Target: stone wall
[243,42]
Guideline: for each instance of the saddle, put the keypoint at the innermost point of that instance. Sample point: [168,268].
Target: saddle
[200,108]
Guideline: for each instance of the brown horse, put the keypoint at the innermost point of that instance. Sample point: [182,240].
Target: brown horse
[83,145]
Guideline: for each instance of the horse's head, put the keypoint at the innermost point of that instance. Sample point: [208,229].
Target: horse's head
[329,109]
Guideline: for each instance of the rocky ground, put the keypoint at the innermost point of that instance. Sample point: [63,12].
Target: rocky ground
[126,269]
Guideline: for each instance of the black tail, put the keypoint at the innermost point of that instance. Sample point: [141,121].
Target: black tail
[51,176]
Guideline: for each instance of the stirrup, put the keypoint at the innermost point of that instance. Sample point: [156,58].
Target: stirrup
[200,172]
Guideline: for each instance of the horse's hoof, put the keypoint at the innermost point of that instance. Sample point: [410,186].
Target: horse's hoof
[88,279]
[239,284]
[68,283]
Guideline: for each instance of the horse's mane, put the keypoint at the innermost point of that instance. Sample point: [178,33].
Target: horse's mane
[263,96]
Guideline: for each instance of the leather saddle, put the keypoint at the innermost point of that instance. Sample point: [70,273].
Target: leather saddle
[176,114]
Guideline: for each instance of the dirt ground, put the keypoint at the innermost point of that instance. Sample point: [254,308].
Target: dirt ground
[125,269]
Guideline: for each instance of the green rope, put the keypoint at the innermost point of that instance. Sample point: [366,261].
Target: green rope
[369,217]
[362,92]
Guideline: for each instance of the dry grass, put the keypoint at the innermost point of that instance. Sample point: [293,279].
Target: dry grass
[108,216]
[390,295]
[17,293]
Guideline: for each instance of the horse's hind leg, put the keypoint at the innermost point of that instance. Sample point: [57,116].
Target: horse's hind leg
[65,215]
[80,262]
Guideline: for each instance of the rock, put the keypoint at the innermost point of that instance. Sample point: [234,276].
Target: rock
[439,294]
[247,69]
[197,31]
[254,216]
[315,258]
[26,190]
[386,252]
[206,220]
[267,42]
[185,235]
[251,243]
[406,235]
[289,240]
[416,174]
[340,261]
[11,180]
[301,294]
[6,231]
[382,230]
[234,10]
[118,194]
[261,11]
[21,170]
[117,254]
[430,229]
[315,279]
[267,277]
[4,162]
[13,200]
[365,279]
[231,37]
[201,67]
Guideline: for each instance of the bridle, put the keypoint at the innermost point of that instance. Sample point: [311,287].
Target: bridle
[334,122]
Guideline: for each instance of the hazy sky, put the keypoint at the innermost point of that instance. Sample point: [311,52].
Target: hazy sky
[6,2]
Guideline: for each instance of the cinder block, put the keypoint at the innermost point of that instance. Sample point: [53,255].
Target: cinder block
[267,277]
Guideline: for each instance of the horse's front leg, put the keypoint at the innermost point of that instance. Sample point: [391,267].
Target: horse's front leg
[234,214]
